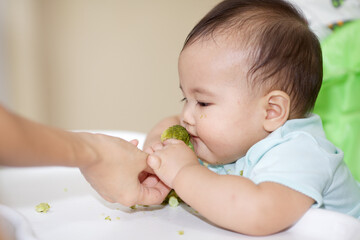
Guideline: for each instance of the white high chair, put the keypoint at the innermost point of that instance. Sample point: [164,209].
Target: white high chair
[77,212]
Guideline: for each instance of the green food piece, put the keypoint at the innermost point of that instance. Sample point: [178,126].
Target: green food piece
[108,218]
[177,132]
[138,205]
[181,232]
[173,201]
[42,207]
[191,146]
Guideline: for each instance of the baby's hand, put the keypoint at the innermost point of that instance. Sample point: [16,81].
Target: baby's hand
[155,146]
[169,158]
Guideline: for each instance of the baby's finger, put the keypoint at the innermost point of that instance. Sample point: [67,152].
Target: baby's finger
[172,141]
[149,150]
[157,146]
[154,162]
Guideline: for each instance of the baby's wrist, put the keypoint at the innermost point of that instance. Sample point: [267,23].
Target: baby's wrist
[184,175]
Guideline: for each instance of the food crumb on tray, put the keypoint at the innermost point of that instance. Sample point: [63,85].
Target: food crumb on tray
[42,207]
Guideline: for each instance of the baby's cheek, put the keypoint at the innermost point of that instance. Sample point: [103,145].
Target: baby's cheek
[223,150]
[205,153]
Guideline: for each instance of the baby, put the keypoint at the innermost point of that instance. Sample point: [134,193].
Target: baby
[250,72]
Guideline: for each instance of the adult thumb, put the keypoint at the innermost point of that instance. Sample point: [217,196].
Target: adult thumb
[154,162]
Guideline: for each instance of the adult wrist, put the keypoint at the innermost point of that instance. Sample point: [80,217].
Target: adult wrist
[85,153]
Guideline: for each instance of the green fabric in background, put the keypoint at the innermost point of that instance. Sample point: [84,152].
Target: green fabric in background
[338,103]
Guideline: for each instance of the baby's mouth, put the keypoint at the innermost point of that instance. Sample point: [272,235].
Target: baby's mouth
[194,138]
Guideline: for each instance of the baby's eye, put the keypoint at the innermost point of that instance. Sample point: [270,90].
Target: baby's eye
[203,104]
[183,100]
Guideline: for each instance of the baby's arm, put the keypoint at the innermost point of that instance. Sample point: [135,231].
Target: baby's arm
[232,202]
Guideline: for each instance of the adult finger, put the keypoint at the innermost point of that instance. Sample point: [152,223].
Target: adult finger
[154,194]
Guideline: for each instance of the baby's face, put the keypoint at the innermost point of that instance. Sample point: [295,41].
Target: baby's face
[222,114]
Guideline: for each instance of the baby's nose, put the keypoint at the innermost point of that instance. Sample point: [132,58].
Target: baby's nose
[187,117]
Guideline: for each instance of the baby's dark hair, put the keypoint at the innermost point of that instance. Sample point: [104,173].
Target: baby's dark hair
[283,53]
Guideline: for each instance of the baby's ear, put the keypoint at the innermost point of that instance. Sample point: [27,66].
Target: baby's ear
[277,107]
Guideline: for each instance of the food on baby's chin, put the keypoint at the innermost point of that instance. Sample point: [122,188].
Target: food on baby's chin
[42,207]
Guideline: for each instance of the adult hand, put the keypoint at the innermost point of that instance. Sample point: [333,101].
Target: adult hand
[114,173]
[111,165]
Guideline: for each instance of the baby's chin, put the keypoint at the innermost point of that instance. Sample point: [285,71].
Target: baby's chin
[207,157]
[209,161]
[215,161]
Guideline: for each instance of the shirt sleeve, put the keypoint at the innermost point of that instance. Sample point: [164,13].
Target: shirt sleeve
[299,163]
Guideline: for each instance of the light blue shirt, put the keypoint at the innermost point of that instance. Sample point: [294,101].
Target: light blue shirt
[299,156]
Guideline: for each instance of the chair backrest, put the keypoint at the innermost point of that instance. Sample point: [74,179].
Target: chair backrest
[338,103]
